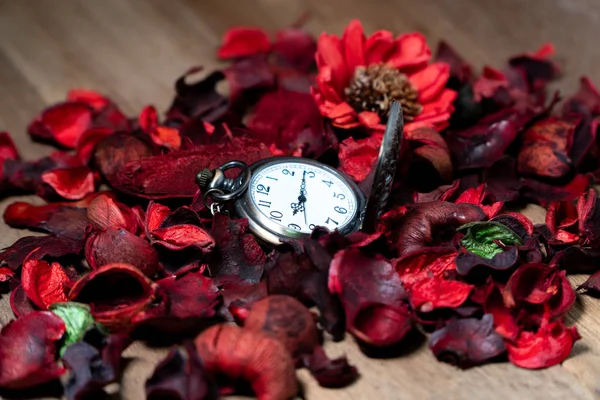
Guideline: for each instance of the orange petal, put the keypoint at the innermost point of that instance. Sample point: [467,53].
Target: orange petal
[378,46]
[353,43]
[430,81]
[166,136]
[410,50]
[442,103]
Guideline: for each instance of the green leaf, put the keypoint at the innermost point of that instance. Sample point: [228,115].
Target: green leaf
[78,320]
[482,238]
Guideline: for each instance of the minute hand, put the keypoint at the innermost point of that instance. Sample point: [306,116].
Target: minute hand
[302,198]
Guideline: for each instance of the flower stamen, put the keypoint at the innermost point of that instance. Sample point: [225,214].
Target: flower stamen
[374,87]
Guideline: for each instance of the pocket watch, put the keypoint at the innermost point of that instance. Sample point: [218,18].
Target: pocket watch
[287,197]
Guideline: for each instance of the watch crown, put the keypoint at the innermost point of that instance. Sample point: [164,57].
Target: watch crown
[204,177]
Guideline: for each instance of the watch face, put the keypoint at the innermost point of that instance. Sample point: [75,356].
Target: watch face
[301,195]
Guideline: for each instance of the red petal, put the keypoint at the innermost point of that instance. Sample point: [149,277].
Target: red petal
[8,150]
[71,183]
[148,119]
[330,54]
[430,81]
[44,283]
[179,237]
[63,123]
[410,51]
[243,41]
[155,215]
[357,157]
[104,213]
[353,43]
[378,46]
[88,140]
[431,293]
[166,136]
[549,346]
[6,274]
[28,350]
[116,292]
[89,97]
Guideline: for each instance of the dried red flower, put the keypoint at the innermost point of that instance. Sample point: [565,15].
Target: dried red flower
[44,283]
[550,345]
[372,295]
[116,293]
[467,342]
[351,67]
[28,350]
[254,357]
[62,123]
[561,220]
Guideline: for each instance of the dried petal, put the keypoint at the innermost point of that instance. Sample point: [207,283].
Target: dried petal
[330,373]
[86,145]
[117,245]
[588,212]
[549,346]
[591,285]
[479,196]
[181,378]
[427,144]
[237,252]
[429,294]
[422,223]
[544,193]
[44,283]
[424,263]
[116,292]
[358,157]
[28,350]
[180,237]
[20,304]
[173,175]
[372,295]
[254,357]
[467,342]
[103,213]
[71,183]
[37,247]
[62,123]
[115,151]
[243,41]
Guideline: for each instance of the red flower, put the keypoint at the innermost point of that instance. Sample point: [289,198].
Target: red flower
[359,77]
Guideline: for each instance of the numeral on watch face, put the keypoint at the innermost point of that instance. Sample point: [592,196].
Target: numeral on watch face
[276,215]
[264,203]
[262,189]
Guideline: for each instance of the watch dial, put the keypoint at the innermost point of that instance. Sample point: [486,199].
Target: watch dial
[301,196]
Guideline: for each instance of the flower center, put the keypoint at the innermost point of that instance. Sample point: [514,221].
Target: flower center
[373,88]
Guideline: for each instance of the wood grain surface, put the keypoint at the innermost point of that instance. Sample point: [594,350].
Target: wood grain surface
[132,50]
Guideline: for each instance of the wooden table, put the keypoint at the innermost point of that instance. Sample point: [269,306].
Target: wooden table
[133,50]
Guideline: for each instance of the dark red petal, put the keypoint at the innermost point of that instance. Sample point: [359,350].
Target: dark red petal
[295,47]
[586,101]
[89,97]
[174,175]
[429,145]
[467,262]
[155,215]
[478,197]
[486,142]
[115,151]
[28,350]
[116,292]
[459,69]
[591,285]
[67,220]
[467,342]
[186,301]
[543,192]
[546,147]
[8,150]
[248,76]
[243,41]
[429,294]
[549,346]
[372,295]
[330,373]
[588,211]
[20,304]
[71,183]
[117,245]
[291,121]
[37,247]
[62,123]
[44,283]
[237,252]
[443,193]
[6,274]
[421,224]
[179,378]
[532,283]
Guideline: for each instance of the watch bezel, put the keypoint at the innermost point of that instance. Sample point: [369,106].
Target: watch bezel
[272,232]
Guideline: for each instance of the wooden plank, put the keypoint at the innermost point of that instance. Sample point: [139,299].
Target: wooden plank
[133,51]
